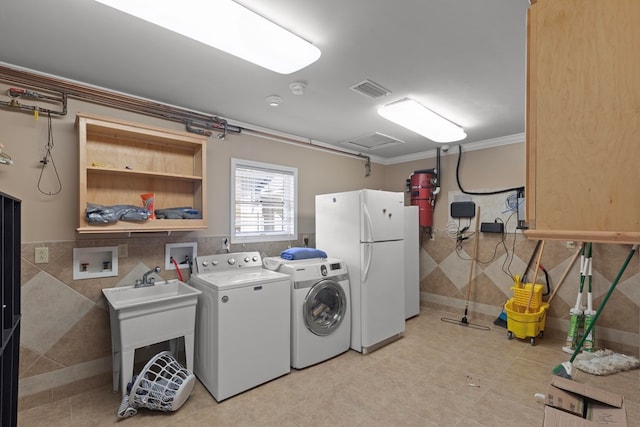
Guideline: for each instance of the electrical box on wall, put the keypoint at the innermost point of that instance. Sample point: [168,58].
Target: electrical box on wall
[90,263]
[521,216]
[183,253]
[492,227]
[463,210]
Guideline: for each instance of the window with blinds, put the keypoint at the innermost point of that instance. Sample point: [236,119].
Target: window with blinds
[264,202]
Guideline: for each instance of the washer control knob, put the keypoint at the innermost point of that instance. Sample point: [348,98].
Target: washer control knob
[231,261]
[247,259]
[205,263]
[255,258]
[214,262]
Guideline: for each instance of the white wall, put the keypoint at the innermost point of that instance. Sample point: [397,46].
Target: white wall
[54,217]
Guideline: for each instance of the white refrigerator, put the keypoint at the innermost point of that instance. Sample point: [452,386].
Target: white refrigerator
[365,229]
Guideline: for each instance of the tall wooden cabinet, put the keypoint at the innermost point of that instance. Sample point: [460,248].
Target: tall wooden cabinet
[10,219]
[121,160]
[583,120]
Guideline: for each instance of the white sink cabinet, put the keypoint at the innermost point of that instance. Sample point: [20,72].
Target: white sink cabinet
[149,315]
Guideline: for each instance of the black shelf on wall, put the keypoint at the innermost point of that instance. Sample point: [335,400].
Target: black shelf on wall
[10,216]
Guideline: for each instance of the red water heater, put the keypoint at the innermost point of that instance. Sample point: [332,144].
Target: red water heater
[422,184]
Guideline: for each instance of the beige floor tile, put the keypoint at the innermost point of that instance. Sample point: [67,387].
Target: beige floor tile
[432,402]
[466,422]
[393,414]
[337,410]
[529,370]
[438,374]
[495,410]
[52,414]
[521,389]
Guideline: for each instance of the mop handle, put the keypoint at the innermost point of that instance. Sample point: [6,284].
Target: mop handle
[535,277]
[589,273]
[604,301]
[473,258]
[523,278]
[576,308]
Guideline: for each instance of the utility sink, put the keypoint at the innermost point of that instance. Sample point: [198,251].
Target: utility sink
[125,297]
[148,315]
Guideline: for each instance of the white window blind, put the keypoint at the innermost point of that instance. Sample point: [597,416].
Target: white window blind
[264,202]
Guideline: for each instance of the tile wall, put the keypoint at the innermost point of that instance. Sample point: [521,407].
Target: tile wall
[66,337]
[445,266]
[66,344]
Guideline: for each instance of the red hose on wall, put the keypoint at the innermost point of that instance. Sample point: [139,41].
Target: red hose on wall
[173,260]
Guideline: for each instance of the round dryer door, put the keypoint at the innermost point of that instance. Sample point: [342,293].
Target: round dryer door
[324,307]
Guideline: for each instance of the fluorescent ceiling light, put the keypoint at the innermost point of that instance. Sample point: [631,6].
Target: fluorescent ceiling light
[229,27]
[416,117]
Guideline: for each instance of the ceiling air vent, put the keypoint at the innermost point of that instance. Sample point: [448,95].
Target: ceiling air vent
[371,141]
[370,89]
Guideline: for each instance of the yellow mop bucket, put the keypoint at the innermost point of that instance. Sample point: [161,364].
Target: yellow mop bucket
[523,324]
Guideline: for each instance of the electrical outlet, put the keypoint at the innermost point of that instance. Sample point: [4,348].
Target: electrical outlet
[42,255]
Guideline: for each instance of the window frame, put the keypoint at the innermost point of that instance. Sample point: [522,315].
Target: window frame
[262,236]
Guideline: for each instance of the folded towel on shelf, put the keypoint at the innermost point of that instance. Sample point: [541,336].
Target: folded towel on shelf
[96,214]
[178,213]
[302,253]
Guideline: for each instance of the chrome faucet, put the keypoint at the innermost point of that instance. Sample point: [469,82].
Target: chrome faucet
[147,281]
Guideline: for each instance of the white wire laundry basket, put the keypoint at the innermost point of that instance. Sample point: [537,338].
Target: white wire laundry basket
[162,385]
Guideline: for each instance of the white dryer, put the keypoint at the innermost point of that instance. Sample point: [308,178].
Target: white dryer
[320,308]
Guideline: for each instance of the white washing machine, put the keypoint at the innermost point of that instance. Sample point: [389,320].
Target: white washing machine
[243,323]
[320,308]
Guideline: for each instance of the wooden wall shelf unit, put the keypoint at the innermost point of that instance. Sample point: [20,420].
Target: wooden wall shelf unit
[120,161]
[583,123]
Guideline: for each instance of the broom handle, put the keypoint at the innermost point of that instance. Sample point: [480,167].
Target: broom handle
[473,258]
[535,277]
[523,278]
[564,275]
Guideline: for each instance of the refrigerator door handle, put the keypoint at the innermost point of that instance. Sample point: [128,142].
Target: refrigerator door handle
[368,225]
[369,254]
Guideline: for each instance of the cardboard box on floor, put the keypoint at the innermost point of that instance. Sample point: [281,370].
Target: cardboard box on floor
[569,403]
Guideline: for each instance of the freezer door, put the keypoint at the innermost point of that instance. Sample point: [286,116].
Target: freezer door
[381,291]
[382,216]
